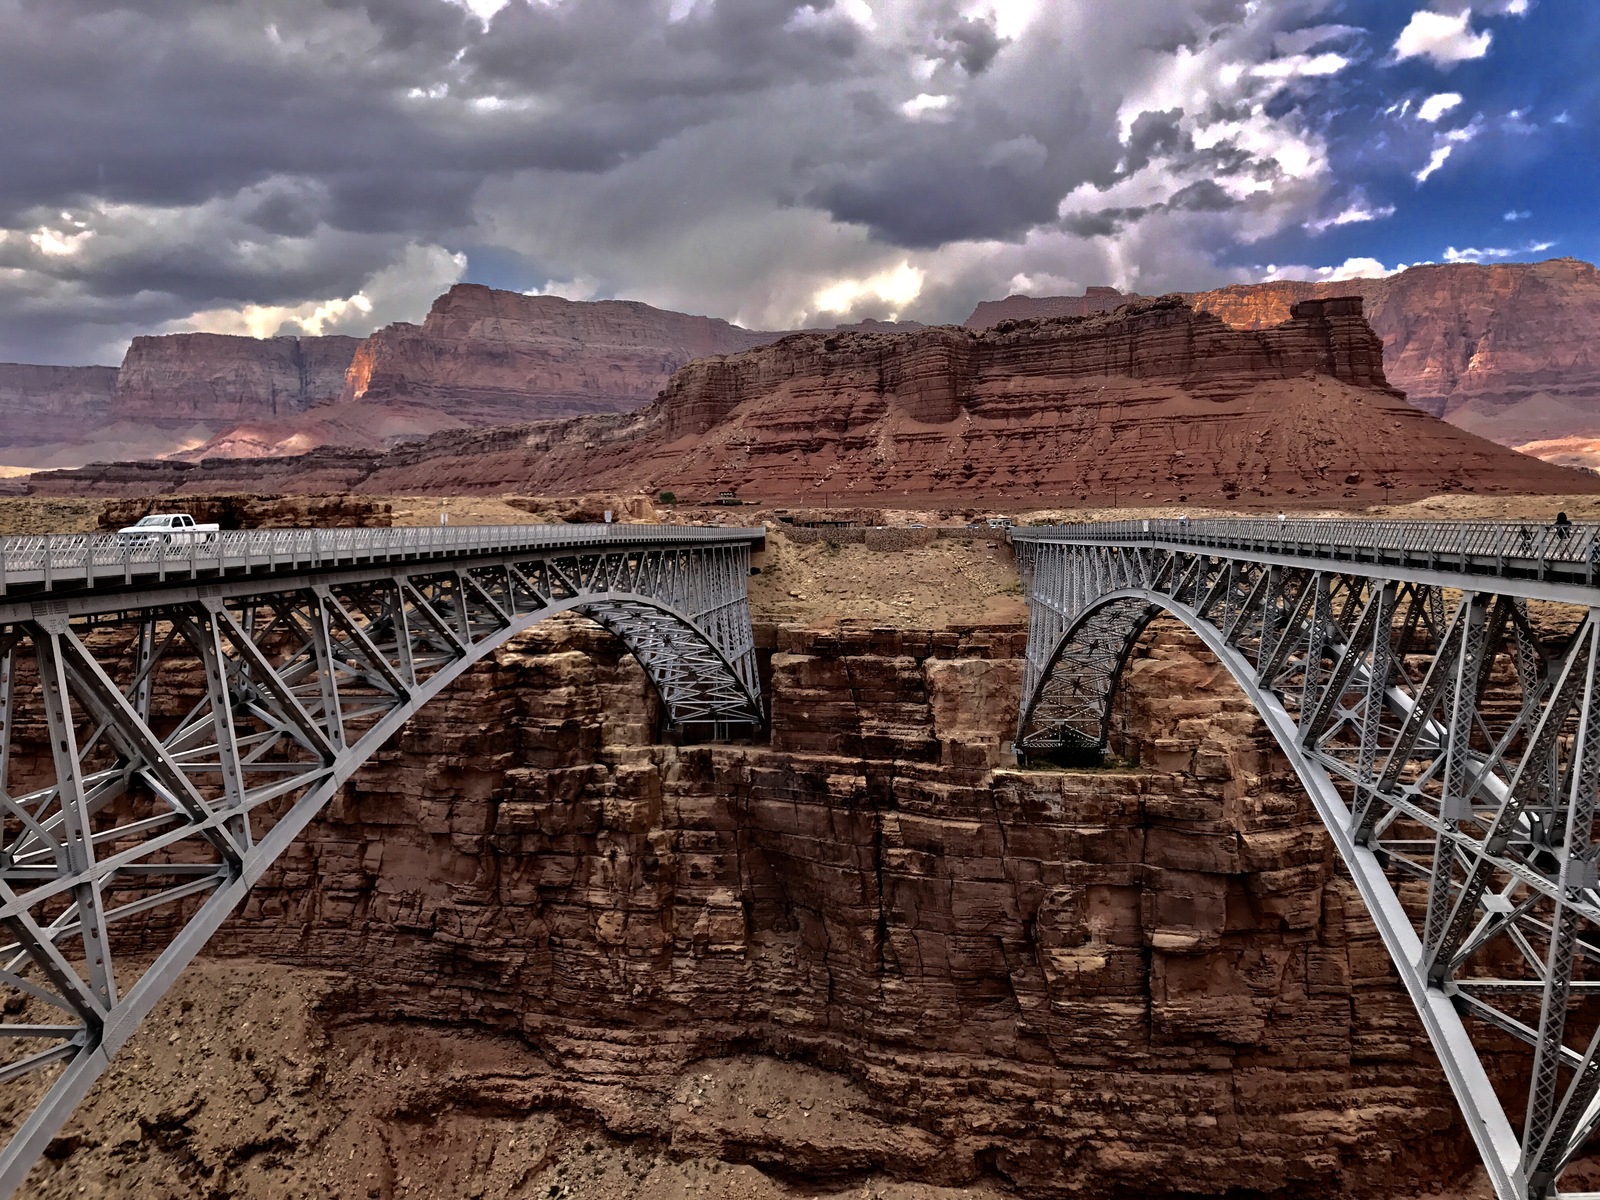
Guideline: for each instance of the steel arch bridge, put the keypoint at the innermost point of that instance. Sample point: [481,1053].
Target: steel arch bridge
[172,715]
[1434,687]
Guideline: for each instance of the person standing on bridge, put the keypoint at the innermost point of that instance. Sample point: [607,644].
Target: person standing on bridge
[1563,526]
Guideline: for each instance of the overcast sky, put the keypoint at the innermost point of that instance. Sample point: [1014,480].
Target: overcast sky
[329,166]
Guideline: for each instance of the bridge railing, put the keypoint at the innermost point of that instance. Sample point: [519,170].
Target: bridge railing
[79,560]
[1515,549]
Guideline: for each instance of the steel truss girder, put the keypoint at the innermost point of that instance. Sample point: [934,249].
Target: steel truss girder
[152,794]
[1440,748]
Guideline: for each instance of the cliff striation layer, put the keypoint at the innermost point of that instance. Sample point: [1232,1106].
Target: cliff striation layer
[221,377]
[1505,350]
[488,357]
[43,405]
[496,357]
[1154,402]
[862,949]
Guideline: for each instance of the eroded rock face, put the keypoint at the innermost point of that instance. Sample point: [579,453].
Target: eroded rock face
[1505,350]
[496,357]
[40,405]
[223,378]
[1143,982]
[1155,401]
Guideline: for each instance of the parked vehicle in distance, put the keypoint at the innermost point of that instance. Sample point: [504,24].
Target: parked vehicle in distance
[999,522]
[167,527]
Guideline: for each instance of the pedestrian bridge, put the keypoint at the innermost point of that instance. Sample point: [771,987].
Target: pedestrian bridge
[174,713]
[1434,687]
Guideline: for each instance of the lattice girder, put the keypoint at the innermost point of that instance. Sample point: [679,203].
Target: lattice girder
[161,748]
[1449,745]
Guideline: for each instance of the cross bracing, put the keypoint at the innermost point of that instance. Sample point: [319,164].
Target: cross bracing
[172,717]
[1434,687]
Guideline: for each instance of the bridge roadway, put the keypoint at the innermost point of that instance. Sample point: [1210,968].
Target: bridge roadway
[1433,685]
[173,714]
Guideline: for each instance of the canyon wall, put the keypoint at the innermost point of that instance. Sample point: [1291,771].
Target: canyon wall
[496,357]
[482,357]
[1094,300]
[864,948]
[43,404]
[1155,402]
[1504,350]
[223,378]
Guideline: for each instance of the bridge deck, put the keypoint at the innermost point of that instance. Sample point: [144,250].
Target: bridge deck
[56,563]
[1518,552]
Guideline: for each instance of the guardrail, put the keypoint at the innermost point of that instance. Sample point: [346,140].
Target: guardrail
[1512,549]
[84,560]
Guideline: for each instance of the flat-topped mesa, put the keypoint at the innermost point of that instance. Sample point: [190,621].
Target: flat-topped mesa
[217,376]
[40,404]
[1014,307]
[486,356]
[1155,401]
[1506,350]
[934,375]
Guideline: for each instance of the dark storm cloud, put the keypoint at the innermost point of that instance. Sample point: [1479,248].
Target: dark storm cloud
[1108,222]
[1203,195]
[1155,134]
[975,44]
[399,107]
[166,158]
[990,171]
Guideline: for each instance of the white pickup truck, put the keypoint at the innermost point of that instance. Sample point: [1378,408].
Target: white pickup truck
[167,527]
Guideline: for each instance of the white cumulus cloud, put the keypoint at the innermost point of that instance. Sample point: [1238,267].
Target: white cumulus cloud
[1444,145]
[1351,268]
[1472,254]
[1446,38]
[1353,214]
[1434,107]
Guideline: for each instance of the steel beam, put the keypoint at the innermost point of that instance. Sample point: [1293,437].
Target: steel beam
[1390,699]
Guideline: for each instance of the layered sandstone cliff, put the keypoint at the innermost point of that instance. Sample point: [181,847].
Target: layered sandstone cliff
[41,405]
[224,378]
[1155,402]
[860,950]
[495,357]
[1508,350]
[488,357]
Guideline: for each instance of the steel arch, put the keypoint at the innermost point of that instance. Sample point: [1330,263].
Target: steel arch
[191,730]
[1375,680]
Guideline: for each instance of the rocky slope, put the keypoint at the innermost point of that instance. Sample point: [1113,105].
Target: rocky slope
[861,951]
[1510,351]
[1155,402]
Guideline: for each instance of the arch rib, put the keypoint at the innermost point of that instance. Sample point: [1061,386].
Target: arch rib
[164,797]
[1437,743]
